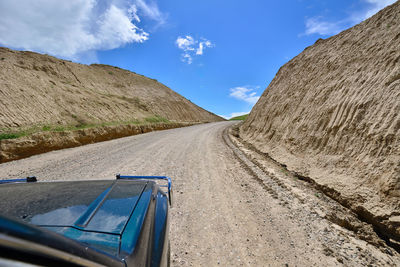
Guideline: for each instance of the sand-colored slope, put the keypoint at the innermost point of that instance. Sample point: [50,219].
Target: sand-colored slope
[38,89]
[333,114]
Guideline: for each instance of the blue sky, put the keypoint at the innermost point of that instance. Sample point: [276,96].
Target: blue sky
[220,54]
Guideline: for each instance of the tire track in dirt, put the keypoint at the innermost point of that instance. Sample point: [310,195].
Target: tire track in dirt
[222,216]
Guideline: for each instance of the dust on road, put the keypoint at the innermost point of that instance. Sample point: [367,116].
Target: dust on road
[223,215]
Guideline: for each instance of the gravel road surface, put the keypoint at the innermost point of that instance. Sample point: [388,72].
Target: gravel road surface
[223,214]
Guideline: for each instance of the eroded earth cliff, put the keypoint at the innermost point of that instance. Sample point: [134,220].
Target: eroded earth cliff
[332,114]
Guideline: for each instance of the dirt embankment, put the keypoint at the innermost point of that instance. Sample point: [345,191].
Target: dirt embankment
[38,89]
[40,93]
[42,142]
[332,115]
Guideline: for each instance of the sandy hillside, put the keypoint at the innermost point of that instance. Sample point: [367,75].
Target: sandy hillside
[38,89]
[333,114]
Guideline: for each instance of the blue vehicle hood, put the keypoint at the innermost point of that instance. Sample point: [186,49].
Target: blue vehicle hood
[92,212]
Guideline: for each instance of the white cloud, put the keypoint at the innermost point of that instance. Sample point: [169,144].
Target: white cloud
[226,117]
[191,47]
[132,11]
[116,28]
[71,28]
[185,43]
[186,57]
[318,25]
[245,93]
[234,114]
[203,45]
[150,10]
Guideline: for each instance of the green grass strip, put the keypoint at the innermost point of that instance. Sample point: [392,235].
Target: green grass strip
[8,134]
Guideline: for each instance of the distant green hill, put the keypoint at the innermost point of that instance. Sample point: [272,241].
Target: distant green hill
[239,118]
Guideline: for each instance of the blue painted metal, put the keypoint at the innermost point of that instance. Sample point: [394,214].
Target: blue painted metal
[133,228]
[166,178]
[20,180]
[108,216]
[116,210]
[91,210]
[31,233]
[106,242]
[160,229]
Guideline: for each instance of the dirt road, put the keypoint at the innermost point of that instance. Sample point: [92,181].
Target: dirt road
[227,210]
